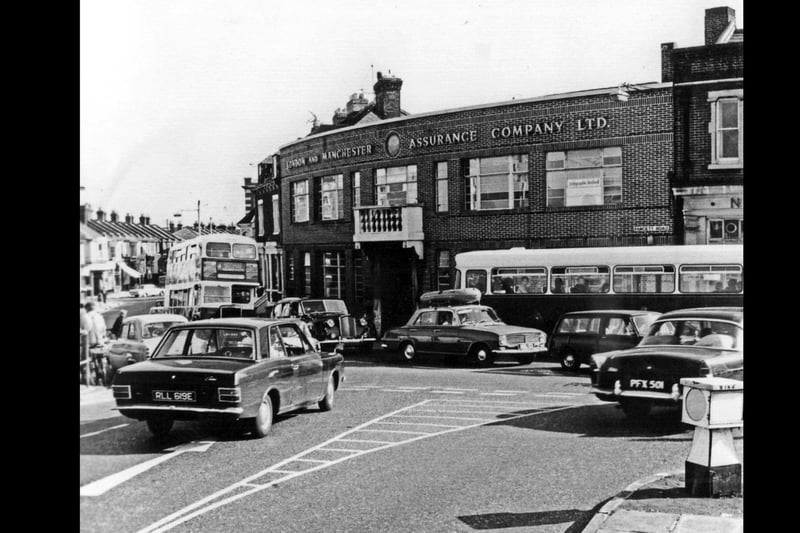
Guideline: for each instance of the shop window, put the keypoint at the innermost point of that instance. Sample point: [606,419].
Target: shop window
[584,177]
[441,187]
[396,185]
[726,128]
[497,182]
[300,201]
[358,275]
[356,189]
[307,274]
[290,267]
[443,270]
[331,194]
[726,231]
[276,215]
[332,272]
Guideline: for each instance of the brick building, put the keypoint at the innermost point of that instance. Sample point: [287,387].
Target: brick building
[375,207]
[708,83]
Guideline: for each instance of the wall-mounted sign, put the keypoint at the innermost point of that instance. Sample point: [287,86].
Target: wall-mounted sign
[650,229]
[393,144]
[439,139]
[330,155]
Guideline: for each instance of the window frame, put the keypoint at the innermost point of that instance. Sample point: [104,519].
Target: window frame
[472,182]
[382,174]
[337,270]
[276,215]
[441,179]
[337,208]
[716,100]
[563,170]
[297,196]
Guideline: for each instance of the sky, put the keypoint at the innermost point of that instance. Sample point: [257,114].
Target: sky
[180,99]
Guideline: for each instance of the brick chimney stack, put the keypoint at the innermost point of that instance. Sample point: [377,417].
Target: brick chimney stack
[387,96]
[114,216]
[667,69]
[101,215]
[717,19]
[86,213]
[129,219]
[142,220]
[356,103]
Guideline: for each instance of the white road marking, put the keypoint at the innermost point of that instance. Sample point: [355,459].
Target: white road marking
[446,392]
[514,391]
[465,390]
[96,488]
[224,496]
[397,390]
[397,431]
[103,431]
[497,394]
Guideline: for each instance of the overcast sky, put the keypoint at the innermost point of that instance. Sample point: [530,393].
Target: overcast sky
[180,97]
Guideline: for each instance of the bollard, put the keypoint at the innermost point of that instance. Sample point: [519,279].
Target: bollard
[714,406]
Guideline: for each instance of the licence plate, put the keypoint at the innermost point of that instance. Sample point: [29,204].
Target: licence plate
[173,396]
[649,384]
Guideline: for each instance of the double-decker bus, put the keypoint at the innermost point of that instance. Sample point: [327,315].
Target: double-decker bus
[533,287]
[212,275]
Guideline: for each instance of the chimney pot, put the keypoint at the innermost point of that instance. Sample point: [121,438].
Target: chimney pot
[101,215]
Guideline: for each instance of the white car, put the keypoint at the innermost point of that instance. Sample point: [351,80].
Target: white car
[148,289]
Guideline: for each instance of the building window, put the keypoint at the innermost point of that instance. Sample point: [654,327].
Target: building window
[290,267]
[332,272]
[726,128]
[396,185]
[497,182]
[443,270]
[356,189]
[726,231]
[584,177]
[300,201]
[307,274]
[358,275]
[276,215]
[441,187]
[261,214]
[331,194]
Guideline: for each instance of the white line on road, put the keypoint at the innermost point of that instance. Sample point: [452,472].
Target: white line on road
[96,488]
[497,394]
[446,392]
[102,431]
[397,390]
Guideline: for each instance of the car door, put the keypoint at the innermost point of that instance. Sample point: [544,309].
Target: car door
[616,333]
[446,335]
[583,340]
[305,361]
[277,369]
[421,331]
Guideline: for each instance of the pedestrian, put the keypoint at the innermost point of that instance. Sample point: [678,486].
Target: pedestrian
[116,329]
[95,326]
[83,318]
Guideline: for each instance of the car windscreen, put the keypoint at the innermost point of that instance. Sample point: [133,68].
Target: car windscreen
[643,322]
[478,315]
[155,329]
[229,342]
[695,332]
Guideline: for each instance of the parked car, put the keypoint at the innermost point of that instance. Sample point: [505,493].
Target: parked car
[148,289]
[462,330]
[688,343]
[228,370]
[578,335]
[330,323]
[139,338]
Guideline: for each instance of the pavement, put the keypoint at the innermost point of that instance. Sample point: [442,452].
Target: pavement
[655,504]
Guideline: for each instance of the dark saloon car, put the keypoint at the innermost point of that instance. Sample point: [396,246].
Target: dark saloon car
[578,335]
[228,369]
[330,323]
[688,343]
[466,330]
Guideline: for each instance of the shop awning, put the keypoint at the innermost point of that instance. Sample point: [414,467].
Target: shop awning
[129,271]
[94,267]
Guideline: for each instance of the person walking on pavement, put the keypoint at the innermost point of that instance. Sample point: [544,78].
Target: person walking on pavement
[116,329]
[95,326]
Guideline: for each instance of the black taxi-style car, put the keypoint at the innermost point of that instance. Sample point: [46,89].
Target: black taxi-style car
[330,323]
[579,334]
[451,323]
[687,343]
[228,369]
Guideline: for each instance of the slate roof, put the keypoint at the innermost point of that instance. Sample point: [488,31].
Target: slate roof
[129,231]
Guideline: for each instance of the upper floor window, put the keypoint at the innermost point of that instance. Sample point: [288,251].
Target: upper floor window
[441,187]
[396,185]
[497,182]
[300,201]
[584,177]
[356,189]
[260,215]
[726,128]
[276,215]
[331,201]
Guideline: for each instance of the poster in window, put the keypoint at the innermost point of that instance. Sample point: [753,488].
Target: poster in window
[584,191]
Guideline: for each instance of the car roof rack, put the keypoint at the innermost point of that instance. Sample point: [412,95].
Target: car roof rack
[450,297]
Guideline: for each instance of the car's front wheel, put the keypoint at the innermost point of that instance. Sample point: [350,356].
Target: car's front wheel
[481,355]
[326,403]
[262,423]
[159,427]
[569,361]
[408,352]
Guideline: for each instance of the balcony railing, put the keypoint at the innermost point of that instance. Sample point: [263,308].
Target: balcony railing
[388,223]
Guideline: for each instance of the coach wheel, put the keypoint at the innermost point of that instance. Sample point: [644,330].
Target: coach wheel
[408,352]
[569,361]
[482,355]
[159,427]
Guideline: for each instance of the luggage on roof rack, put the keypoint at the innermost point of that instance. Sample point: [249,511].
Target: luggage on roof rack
[450,297]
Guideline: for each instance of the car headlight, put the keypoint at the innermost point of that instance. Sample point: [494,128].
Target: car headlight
[330,323]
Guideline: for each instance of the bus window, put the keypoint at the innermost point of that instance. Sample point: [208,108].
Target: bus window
[218,249]
[519,280]
[644,278]
[476,279]
[583,279]
[244,251]
[710,278]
